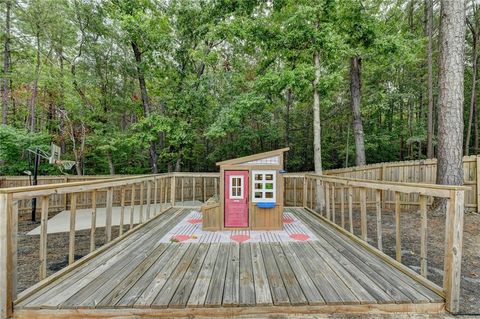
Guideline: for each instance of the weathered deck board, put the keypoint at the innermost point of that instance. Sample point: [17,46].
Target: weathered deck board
[200,288]
[408,286]
[66,286]
[139,272]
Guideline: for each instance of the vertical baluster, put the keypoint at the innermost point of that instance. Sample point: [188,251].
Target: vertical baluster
[14,250]
[333,203]
[342,206]
[73,218]
[173,190]
[204,188]
[166,191]
[295,191]
[160,198]
[181,189]
[378,206]
[108,215]
[398,243]
[423,235]
[142,193]
[122,211]
[363,213]
[132,205]
[215,185]
[350,207]
[327,199]
[311,194]
[43,238]
[194,191]
[304,191]
[149,197]
[155,192]
[93,221]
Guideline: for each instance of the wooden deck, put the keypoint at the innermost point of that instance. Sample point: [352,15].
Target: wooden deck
[138,276]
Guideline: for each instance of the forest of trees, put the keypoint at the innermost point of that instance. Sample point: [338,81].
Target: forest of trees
[136,86]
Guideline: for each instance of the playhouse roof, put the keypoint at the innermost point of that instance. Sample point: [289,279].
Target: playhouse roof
[251,159]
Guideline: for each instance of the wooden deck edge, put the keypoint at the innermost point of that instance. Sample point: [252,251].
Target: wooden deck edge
[273,311]
[404,269]
[41,284]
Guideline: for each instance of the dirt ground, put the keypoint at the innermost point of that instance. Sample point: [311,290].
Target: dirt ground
[57,249]
[410,230]
[28,250]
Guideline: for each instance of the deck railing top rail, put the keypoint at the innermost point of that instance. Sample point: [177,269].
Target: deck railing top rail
[421,188]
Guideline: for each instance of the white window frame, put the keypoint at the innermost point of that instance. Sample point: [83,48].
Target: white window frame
[242,186]
[263,190]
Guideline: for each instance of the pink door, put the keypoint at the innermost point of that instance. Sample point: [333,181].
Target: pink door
[236,198]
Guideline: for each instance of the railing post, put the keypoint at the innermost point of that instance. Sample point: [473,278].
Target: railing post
[43,239]
[423,235]
[6,256]
[172,190]
[363,213]
[478,183]
[350,208]
[108,215]
[453,250]
[398,237]
[73,220]
[378,206]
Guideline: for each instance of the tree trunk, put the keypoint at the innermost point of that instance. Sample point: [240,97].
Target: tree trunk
[430,149]
[141,79]
[33,100]
[6,64]
[288,105]
[451,94]
[145,103]
[473,96]
[475,128]
[355,91]
[317,133]
[178,163]
[111,167]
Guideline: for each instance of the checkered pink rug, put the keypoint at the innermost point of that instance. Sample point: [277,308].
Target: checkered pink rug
[189,230]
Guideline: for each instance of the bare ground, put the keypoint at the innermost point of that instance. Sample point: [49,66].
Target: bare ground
[410,236]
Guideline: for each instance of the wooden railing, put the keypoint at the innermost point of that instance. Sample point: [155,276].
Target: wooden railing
[338,194]
[139,197]
[418,171]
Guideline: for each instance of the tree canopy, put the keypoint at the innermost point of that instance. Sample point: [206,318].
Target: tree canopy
[134,86]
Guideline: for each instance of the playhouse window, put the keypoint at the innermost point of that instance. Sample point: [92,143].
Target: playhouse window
[265,186]
[236,187]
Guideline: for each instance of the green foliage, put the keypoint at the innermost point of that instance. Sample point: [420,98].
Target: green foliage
[224,79]
[13,150]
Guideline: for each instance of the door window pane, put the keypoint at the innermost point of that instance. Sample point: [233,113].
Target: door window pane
[236,184]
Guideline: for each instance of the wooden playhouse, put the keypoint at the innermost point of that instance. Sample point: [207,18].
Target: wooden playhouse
[251,194]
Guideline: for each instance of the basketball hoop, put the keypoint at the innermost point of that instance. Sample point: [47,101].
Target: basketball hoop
[67,165]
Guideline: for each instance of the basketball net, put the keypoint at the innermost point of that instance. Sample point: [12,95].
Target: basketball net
[67,165]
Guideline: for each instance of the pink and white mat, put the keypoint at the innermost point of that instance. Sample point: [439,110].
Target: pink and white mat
[189,230]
